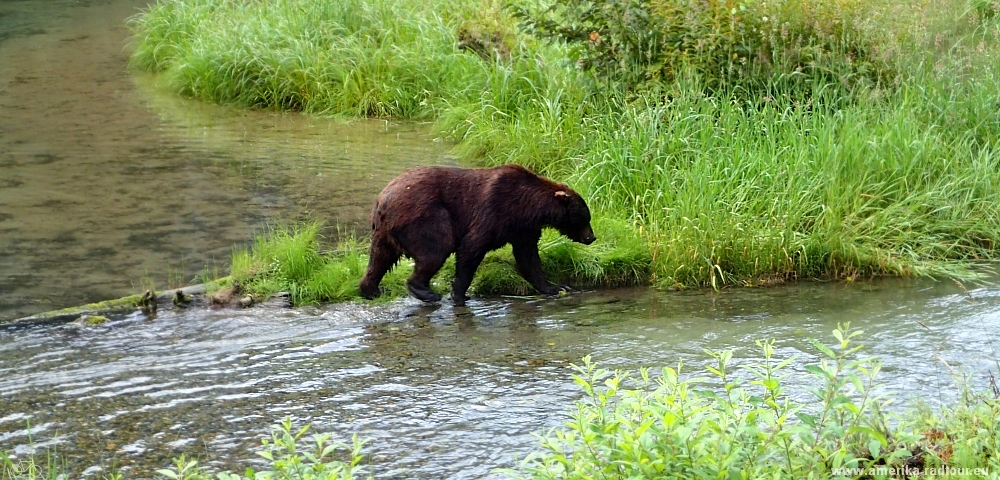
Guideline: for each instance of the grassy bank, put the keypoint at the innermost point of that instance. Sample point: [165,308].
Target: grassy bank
[730,422]
[856,138]
[299,261]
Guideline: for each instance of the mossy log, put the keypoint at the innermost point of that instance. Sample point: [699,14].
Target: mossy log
[146,302]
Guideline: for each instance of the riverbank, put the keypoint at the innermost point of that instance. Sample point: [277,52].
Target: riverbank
[838,175]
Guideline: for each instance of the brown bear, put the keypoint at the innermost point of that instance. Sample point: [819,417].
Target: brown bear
[429,213]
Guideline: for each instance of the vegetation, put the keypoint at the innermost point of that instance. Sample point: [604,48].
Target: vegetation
[12,468]
[733,423]
[291,456]
[752,44]
[295,260]
[740,141]
[668,427]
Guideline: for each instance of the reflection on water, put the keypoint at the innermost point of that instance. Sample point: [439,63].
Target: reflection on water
[441,392]
[107,182]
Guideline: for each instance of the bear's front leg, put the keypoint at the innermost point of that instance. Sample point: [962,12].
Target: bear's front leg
[467,260]
[529,265]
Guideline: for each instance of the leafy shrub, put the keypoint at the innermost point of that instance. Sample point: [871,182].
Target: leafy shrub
[291,457]
[723,42]
[666,427]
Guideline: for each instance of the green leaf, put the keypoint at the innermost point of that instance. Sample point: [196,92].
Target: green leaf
[770,384]
[817,371]
[824,349]
[807,419]
[875,448]
[871,432]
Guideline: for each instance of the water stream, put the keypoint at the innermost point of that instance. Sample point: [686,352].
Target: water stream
[107,182]
[439,394]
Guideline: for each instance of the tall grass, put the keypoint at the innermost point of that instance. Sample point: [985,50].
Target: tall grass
[731,191]
[354,57]
[718,186]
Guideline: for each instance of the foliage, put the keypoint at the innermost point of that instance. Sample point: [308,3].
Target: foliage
[294,260]
[669,427]
[13,468]
[872,154]
[726,43]
[355,57]
[962,436]
[290,456]
[734,422]
[618,39]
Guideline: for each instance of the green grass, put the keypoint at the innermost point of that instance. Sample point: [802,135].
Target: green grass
[384,58]
[731,192]
[31,468]
[716,186]
[298,261]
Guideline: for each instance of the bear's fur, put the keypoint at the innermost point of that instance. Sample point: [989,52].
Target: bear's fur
[429,213]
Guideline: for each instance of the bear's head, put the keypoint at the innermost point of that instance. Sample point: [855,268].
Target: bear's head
[575,219]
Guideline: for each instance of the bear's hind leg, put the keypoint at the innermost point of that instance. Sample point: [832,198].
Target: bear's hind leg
[419,283]
[382,256]
[428,242]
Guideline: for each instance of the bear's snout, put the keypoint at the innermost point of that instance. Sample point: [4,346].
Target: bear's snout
[587,237]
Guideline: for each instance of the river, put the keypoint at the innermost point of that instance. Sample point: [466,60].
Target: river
[439,394]
[109,183]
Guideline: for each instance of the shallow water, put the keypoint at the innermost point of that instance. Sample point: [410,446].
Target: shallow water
[440,392]
[108,183]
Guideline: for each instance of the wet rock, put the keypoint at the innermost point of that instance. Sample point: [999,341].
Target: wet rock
[92,320]
[231,296]
[225,296]
[278,300]
[147,303]
[180,299]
